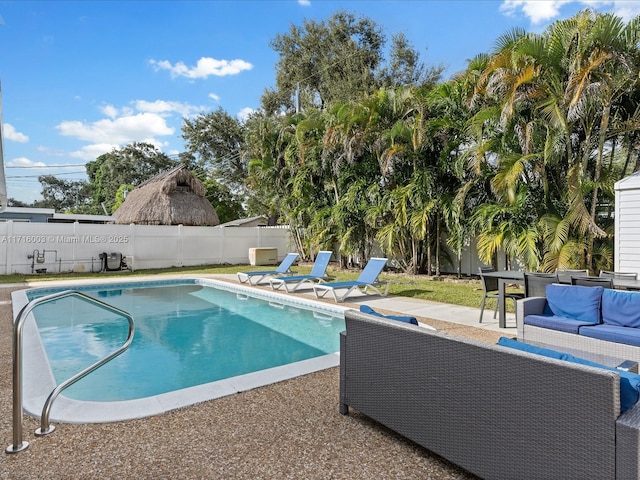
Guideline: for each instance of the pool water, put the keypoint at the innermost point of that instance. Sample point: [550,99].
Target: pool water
[186,335]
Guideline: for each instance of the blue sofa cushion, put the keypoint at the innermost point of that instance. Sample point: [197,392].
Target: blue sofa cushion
[527,347]
[573,301]
[554,322]
[621,308]
[612,333]
[400,318]
[629,382]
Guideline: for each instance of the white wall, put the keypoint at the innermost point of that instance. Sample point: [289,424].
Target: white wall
[627,225]
[77,246]
[74,246]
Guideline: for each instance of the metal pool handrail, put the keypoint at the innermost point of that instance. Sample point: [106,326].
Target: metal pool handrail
[18,443]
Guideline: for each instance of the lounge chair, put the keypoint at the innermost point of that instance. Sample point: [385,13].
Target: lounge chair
[368,280]
[256,277]
[318,274]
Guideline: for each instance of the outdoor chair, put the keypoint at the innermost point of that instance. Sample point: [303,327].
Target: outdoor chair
[256,277]
[592,282]
[628,275]
[490,290]
[318,274]
[368,280]
[565,275]
[535,284]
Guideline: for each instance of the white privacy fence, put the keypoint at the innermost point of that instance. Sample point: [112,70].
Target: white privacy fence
[64,247]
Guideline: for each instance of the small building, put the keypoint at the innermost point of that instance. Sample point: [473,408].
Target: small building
[259,221]
[627,224]
[174,197]
[49,215]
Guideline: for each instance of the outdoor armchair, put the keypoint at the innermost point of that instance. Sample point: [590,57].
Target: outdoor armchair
[490,290]
[368,280]
[535,284]
[592,282]
[318,274]
[256,277]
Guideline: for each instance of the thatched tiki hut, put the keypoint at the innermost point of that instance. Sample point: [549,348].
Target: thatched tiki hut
[173,197]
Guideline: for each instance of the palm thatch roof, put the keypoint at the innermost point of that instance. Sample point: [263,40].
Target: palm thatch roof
[173,197]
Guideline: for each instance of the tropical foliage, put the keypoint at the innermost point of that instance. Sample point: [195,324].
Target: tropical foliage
[518,154]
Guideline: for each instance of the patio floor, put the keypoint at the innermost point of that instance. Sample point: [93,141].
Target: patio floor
[290,429]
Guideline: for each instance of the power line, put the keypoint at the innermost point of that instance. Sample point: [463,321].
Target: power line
[36,176]
[45,166]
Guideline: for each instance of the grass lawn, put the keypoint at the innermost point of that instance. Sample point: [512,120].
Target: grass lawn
[467,291]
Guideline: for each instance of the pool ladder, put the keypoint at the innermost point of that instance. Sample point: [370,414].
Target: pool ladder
[45,428]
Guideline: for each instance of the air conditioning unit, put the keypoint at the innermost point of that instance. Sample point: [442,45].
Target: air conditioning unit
[263,256]
[111,261]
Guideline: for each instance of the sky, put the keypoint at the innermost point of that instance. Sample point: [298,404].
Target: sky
[80,78]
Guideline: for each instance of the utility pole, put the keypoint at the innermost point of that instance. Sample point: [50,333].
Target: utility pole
[3,181]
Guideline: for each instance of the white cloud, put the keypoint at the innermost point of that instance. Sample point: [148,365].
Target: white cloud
[143,121]
[627,9]
[24,162]
[110,111]
[51,152]
[91,152]
[539,11]
[166,107]
[205,67]
[244,114]
[214,97]
[10,133]
[304,3]
[131,128]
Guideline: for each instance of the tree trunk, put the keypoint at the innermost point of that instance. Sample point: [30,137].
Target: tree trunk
[604,124]
[414,253]
[428,245]
[438,246]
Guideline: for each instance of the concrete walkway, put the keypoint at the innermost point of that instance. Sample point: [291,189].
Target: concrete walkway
[467,316]
[445,312]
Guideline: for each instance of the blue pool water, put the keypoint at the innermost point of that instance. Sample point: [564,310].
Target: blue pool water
[187,334]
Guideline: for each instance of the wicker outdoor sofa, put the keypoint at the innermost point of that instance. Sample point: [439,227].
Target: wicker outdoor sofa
[615,312]
[496,412]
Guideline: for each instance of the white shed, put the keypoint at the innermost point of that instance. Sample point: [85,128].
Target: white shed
[627,226]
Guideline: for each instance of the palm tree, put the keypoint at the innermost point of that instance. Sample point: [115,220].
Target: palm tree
[550,104]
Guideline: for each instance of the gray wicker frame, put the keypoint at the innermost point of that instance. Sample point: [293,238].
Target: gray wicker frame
[564,340]
[496,412]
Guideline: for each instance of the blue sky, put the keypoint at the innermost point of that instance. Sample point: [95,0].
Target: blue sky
[82,77]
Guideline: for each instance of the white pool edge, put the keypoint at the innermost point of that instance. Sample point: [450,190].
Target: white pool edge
[38,380]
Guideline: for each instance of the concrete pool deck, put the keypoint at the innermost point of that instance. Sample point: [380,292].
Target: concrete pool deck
[291,429]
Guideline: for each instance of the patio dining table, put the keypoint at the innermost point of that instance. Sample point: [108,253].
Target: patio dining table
[506,277]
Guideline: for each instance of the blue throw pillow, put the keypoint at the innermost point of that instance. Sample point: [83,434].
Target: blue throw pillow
[527,347]
[371,311]
[621,308]
[629,382]
[574,301]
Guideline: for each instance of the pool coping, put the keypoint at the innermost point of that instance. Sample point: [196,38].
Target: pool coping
[39,382]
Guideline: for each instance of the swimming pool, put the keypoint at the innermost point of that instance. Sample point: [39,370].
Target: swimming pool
[183,351]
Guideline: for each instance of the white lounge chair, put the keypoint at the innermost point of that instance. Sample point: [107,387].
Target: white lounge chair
[292,282]
[368,280]
[256,277]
